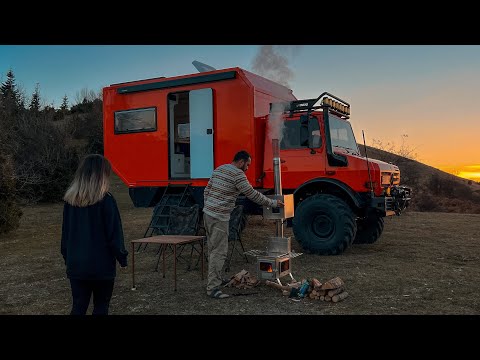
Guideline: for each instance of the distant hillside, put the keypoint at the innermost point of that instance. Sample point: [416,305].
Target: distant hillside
[433,189]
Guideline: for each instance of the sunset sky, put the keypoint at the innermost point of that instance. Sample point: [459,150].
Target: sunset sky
[423,96]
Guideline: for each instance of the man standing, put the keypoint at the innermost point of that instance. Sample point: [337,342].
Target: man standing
[220,195]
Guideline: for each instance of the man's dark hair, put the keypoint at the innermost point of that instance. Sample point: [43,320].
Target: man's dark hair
[241,155]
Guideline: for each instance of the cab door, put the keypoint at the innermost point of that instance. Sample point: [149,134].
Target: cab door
[300,162]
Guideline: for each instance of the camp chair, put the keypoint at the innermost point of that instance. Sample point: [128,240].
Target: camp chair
[182,221]
[236,225]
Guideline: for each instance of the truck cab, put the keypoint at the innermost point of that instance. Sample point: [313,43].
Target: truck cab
[341,197]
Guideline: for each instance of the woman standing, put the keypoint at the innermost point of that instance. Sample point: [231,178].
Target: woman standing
[92,236]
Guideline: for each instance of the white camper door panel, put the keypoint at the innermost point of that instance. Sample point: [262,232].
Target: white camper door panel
[201,133]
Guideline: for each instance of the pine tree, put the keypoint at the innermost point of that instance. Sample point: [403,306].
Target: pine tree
[8,88]
[64,106]
[9,93]
[35,102]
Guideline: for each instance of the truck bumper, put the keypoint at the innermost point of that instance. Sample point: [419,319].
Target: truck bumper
[382,205]
[392,205]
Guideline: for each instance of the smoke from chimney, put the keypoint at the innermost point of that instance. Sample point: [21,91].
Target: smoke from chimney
[271,62]
[275,121]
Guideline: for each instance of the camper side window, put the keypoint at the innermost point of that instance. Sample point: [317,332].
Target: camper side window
[136,120]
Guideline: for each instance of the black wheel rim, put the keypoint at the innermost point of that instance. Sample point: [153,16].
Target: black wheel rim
[323,226]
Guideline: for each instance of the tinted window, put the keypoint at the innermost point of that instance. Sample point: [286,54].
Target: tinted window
[137,120]
[291,135]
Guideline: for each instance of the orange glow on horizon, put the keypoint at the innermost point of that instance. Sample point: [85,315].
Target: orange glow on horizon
[469,172]
[475,176]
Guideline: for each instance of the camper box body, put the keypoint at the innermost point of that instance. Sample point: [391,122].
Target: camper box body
[177,130]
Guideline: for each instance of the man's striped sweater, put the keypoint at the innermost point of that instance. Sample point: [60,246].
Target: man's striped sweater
[221,193]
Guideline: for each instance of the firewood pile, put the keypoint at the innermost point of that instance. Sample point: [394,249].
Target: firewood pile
[243,280]
[333,290]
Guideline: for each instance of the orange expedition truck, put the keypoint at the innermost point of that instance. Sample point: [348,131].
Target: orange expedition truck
[165,136]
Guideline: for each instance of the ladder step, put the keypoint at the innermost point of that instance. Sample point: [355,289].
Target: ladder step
[162,209]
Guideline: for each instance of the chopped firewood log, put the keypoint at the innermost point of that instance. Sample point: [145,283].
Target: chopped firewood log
[243,280]
[322,292]
[278,286]
[314,292]
[295,285]
[240,275]
[286,290]
[317,297]
[322,297]
[332,284]
[328,298]
[340,296]
[311,296]
[336,291]
[316,284]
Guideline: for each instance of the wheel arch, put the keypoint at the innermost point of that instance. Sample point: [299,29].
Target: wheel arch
[332,187]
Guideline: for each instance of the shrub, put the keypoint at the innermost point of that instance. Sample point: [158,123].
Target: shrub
[426,203]
[10,212]
[44,162]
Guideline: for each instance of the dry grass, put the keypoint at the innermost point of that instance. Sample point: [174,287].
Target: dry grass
[425,263]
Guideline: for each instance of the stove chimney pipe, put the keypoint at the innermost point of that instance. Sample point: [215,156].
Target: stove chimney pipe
[277,179]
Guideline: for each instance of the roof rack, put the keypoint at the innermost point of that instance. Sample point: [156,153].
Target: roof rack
[308,105]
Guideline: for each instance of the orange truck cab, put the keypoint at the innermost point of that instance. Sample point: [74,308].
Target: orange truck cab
[165,136]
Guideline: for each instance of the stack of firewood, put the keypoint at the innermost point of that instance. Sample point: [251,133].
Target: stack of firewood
[332,290]
[242,280]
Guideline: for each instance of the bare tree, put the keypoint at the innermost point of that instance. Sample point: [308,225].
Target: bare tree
[403,150]
[86,96]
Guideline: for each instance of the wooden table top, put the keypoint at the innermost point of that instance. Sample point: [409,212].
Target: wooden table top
[169,239]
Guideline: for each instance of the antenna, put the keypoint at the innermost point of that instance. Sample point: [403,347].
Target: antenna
[201,67]
[368,166]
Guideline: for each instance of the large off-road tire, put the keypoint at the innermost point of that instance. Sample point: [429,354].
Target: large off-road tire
[324,224]
[369,229]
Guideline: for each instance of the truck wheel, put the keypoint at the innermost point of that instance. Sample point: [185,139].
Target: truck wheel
[369,229]
[324,224]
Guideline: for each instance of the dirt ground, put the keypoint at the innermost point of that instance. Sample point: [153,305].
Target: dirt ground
[424,263]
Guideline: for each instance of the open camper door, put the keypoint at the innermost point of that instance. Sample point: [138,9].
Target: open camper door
[201,133]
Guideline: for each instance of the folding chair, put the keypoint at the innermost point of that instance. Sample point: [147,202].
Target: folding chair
[236,226]
[183,221]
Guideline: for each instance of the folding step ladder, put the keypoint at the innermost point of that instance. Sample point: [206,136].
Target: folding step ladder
[173,195]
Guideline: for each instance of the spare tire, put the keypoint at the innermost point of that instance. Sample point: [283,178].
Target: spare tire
[324,224]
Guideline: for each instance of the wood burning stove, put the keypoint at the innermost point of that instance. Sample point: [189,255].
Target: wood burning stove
[276,261]
[273,267]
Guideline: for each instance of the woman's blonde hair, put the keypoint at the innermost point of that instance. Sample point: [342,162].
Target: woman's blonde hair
[91,181]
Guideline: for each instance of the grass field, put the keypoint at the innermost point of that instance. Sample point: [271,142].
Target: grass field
[424,263]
